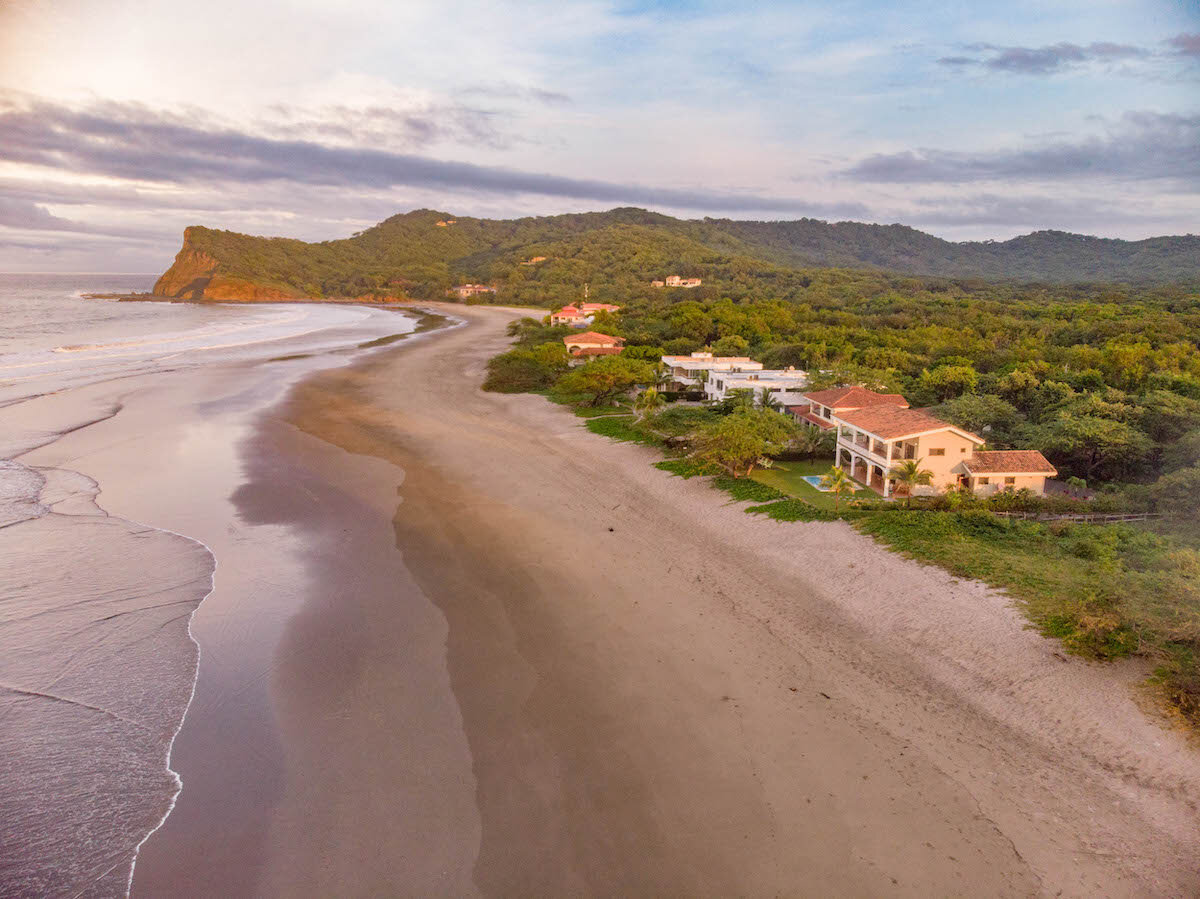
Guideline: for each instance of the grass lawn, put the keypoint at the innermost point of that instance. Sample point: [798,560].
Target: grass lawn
[787,478]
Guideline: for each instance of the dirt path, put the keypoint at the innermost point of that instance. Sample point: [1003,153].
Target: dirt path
[664,695]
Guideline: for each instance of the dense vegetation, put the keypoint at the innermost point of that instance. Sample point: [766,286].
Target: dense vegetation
[1105,381]
[620,251]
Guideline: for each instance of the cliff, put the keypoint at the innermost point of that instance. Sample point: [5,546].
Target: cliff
[189,274]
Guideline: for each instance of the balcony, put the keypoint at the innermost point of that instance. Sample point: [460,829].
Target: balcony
[866,446]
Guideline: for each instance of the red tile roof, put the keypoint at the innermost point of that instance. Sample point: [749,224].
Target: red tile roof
[855,397]
[593,337]
[802,413]
[1009,462]
[566,309]
[892,422]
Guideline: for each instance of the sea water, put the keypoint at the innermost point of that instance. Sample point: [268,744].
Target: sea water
[97,664]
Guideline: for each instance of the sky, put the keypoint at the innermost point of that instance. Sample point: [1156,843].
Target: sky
[124,121]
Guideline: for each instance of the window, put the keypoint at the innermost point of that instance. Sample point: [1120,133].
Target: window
[938,451]
[962,449]
[983,482]
[825,411]
[1010,480]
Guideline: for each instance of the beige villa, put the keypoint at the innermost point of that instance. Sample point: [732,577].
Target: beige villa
[876,432]
[582,314]
[589,344]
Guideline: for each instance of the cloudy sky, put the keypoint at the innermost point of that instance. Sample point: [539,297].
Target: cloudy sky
[122,121]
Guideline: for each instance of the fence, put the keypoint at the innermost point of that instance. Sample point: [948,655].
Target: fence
[1081,516]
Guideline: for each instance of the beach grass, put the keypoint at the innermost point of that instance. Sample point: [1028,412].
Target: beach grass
[621,427]
[1105,591]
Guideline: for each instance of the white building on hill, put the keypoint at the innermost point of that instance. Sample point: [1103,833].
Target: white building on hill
[787,386]
[685,370]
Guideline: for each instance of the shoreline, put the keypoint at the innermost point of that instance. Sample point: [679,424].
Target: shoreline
[476,648]
[95,434]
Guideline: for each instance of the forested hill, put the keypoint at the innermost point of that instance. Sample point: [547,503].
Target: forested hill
[421,253]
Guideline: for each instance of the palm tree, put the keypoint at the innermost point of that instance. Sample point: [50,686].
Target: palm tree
[648,401]
[909,474]
[809,440]
[839,484]
[769,402]
[662,376]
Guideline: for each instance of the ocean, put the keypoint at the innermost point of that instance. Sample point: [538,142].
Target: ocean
[97,660]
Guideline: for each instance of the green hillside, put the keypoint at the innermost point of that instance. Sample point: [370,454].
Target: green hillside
[620,251]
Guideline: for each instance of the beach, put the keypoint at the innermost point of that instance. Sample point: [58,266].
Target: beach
[457,644]
[663,694]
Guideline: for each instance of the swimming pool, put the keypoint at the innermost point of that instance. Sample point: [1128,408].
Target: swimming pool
[814,480]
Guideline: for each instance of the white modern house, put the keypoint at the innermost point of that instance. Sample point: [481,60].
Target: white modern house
[784,385]
[685,370]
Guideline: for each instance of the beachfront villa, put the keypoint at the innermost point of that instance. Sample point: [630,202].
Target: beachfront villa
[685,370]
[567,315]
[583,314]
[465,291]
[783,385]
[877,432]
[588,345]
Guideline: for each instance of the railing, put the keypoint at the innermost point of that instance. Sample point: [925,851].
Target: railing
[1081,516]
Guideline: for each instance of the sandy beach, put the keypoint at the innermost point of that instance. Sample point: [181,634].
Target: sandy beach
[653,692]
[459,645]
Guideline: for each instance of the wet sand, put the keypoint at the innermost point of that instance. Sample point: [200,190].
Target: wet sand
[460,645]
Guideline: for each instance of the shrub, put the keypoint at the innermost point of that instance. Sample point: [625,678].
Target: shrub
[688,468]
[525,370]
[746,490]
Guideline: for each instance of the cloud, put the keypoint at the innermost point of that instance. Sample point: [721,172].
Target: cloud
[1143,146]
[134,142]
[1043,60]
[24,215]
[17,213]
[1185,44]
[1029,211]
[509,91]
[414,127]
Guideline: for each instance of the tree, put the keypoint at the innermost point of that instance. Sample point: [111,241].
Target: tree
[522,370]
[737,441]
[767,401]
[605,378]
[1184,452]
[948,381]
[1178,492]
[1088,444]
[645,353]
[738,398]
[648,401]
[981,413]
[1167,416]
[731,345]
[909,474]
[839,484]
[813,440]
